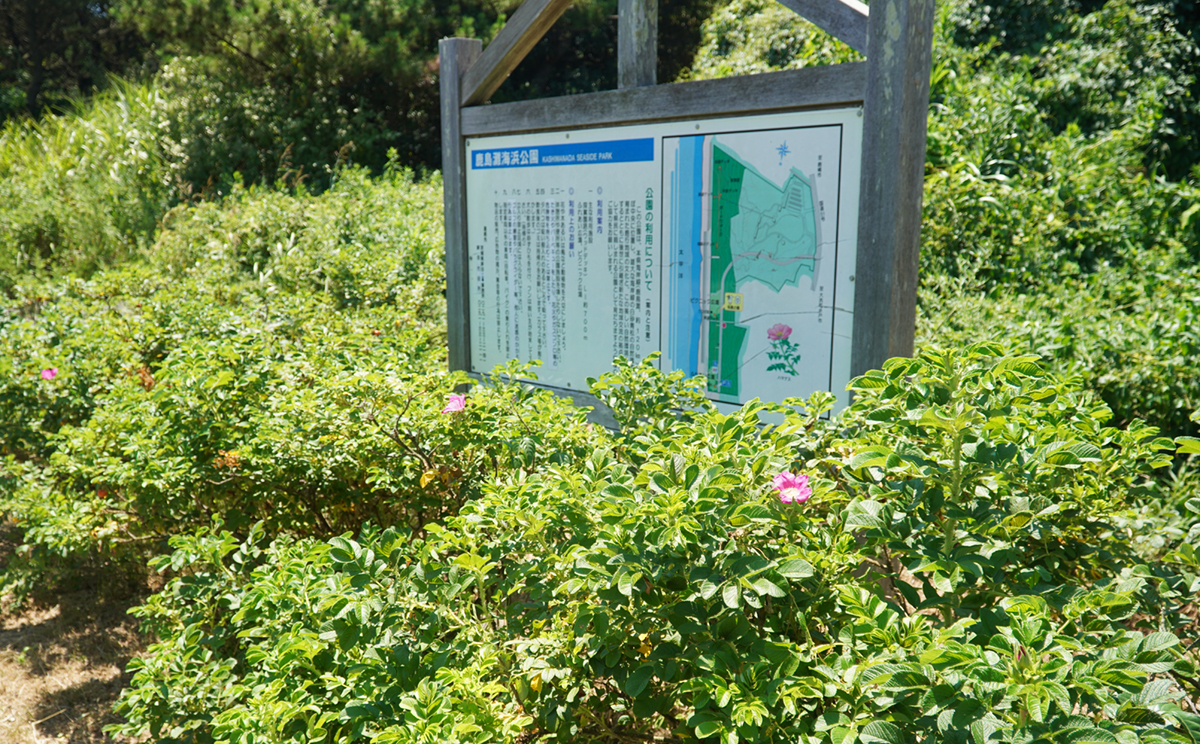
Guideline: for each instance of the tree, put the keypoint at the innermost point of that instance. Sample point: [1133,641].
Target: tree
[267,88]
[54,50]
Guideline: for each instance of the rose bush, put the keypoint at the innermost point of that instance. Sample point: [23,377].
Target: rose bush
[949,572]
[280,360]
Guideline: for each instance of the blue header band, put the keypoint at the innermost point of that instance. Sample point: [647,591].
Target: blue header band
[574,153]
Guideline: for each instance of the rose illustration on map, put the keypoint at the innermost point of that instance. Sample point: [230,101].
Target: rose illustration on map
[783,354]
[778,332]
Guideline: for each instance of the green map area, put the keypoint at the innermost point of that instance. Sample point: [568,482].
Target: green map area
[760,232]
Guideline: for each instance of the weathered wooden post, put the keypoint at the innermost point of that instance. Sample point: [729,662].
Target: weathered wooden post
[454,57]
[899,55]
[637,43]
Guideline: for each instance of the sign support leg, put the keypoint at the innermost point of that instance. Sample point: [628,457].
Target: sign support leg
[896,111]
[455,57]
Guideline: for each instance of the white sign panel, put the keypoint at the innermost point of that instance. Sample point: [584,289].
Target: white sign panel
[728,245]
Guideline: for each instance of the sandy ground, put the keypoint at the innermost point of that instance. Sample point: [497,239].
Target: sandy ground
[62,665]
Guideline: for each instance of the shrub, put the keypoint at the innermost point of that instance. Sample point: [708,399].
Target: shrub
[1043,223]
[231,375]
[364,242]
[657,587]
[1129,333]
[1093,60]
[228,127]
[1024,187]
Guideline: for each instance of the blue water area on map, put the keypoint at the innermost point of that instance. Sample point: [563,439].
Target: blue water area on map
[687,180]
[572,153]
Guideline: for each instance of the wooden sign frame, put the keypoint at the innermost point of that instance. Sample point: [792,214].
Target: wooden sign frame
[892,86]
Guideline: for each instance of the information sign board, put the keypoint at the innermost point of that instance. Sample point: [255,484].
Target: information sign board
[728,244]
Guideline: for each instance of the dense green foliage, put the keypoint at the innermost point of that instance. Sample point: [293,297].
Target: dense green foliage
[272,92]
[248,382]
[264,88]
[750,36]
[1093,60]
[82,191]
[657,586]
[175,384]
[1061,236]
[270,89]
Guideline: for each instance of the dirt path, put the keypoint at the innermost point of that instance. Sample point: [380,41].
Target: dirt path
[62,665]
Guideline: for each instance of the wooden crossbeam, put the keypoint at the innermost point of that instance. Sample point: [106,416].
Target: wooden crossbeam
[843,19]
[527,26]
[809,87]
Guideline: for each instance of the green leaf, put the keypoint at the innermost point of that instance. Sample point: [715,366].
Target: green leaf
[795,568]
[873,380]
[1088,736]
[1138,715]
[1017,521]
[1086,451]
[763,586]
[1025,365]
[931,417]
[1060,696]
[626,581]
[906,679]
[342,550]
[982,730]
[1058,453]
[965,714]
[1025,603]
[732,595]
[864,514]
[638,680]
[783,657]
[869,456]
[707,727]
[1190,724]
[1155,691]
[747,513]
[842,735]
[361,710]
[1187,446]
[1156,642]
[883,732]
[617,491]
[221,379]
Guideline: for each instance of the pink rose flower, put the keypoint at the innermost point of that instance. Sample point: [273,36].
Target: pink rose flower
[50,373]
[779,331]
[455,403]
[793,489]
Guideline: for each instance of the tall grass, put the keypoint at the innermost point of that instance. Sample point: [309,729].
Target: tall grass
[85,189]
